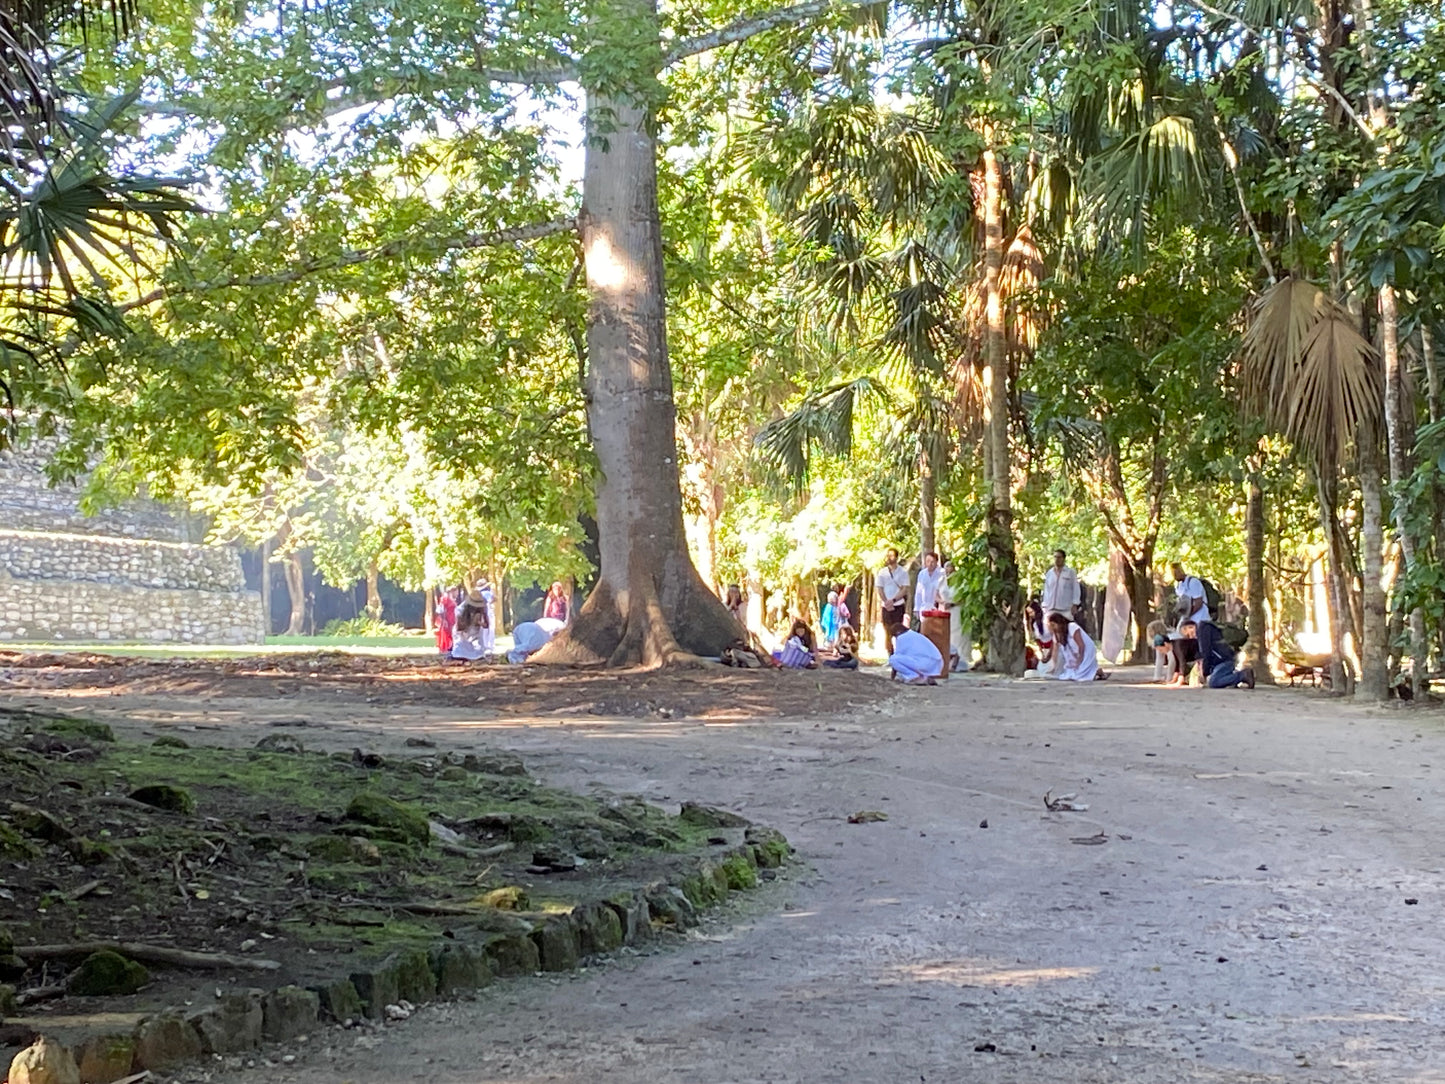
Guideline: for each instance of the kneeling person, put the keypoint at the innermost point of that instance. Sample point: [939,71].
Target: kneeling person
[915,658]
[1216,661]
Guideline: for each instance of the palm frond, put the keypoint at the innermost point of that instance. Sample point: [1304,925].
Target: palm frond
[823,423]
[1308,371]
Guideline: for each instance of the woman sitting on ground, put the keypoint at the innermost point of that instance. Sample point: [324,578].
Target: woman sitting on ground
[797,653]
[1079,660]
[847,648]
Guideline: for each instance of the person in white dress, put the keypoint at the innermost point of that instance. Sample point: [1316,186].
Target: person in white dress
[960,647]
[489,630]
[915,659]
[1078,659]
[468,642]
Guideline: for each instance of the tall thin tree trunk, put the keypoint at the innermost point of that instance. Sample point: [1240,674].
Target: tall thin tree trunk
[1006,632]
[266,587]
[1432,371]
[927,502]
[1254,594]
[1399,436]
[296,588]
[649,605]
[428,610]
[1374,646]
[1334,580]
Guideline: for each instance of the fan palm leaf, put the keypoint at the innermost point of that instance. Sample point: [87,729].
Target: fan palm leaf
[1308,371]
[822,423]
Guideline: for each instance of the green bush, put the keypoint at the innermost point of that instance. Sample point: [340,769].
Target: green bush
[362,626]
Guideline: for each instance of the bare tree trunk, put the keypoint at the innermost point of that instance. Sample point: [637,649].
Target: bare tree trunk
[373,590]
[1399,438]
[649,606]
[1334,579]
[296,588]
[927,504]
[1006,632]
[266,587]
[1374,646]
[1432,372]
[1254,594]
[428,611]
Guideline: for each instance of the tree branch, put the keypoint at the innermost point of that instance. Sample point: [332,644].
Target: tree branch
[751,25]
[349,258]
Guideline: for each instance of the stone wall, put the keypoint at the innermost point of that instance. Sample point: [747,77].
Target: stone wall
[130,573]
[29,503]
[61,610]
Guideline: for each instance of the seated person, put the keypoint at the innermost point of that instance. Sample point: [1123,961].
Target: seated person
[797,653]
[1216,660]
[847,648]
[915,659]
[1042,635]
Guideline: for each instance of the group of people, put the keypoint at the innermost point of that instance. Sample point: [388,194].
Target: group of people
[1197,640]
[913,657]
[465,623]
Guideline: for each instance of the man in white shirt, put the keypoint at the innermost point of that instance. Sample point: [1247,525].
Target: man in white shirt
[892,583]
[930,579]
[1061,588]
[1189,601]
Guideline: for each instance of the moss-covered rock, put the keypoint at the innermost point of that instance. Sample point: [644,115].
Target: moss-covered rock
[513,954]
[707,816]
[170,741]
[8,1005]
[458,968]
[557,944]
[338,1001]
[106,1057]
[770,847]
[165,796]
[85,728]
[599,928]
[378,811]
[740,872]
[105,973]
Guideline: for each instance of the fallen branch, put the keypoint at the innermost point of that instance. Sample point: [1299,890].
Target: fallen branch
[147,954]
[84,890]
[40,993]
[463,851]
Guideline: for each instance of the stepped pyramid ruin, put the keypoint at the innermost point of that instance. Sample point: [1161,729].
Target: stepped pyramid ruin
[133,573]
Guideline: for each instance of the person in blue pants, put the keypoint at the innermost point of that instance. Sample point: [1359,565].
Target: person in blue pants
[1216,658]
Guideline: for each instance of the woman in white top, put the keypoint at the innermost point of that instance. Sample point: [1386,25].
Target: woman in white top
[1078,659]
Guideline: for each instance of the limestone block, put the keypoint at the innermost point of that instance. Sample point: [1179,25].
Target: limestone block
[288,1012]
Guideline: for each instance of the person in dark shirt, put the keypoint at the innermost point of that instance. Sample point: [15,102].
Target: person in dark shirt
[1217,661]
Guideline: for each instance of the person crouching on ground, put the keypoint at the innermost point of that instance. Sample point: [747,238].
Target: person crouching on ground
[1218,664]
[1166,662]
[1078,659]
[915,659]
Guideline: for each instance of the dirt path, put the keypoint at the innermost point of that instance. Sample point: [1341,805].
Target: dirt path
[1246,918]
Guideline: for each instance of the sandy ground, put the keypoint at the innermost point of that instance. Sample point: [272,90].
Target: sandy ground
[1265,905]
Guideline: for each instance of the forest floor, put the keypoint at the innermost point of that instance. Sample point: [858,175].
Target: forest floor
[1254,892]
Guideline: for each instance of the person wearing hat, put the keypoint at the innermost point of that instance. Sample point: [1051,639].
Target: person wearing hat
[472,619]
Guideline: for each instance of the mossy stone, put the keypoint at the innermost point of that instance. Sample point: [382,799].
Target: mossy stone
[557,945]
[170,741]
[379,811]
[339,1000]
[415,980]
[104,973]
[770,847]
[86,728]
[515,954]
[458,968]
[166,797]
[599,928]
[740,873]
[14,845]
[8,1004]
[707,816]
[106,1057]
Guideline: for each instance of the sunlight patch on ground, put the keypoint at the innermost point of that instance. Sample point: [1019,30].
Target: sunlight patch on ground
[963,973]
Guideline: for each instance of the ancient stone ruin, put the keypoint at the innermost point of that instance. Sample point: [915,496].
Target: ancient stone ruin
[134,573]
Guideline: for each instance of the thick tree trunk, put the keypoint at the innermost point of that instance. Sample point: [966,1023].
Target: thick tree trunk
[373,590]
[1257,648]
[296,588]
[1006,631]
[1374,646]
[649,606]
[1141,601]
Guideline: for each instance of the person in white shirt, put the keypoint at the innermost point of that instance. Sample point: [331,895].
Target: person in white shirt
[930,579]
[892,583]
[1061,588]
[960,647]
[1189,596]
